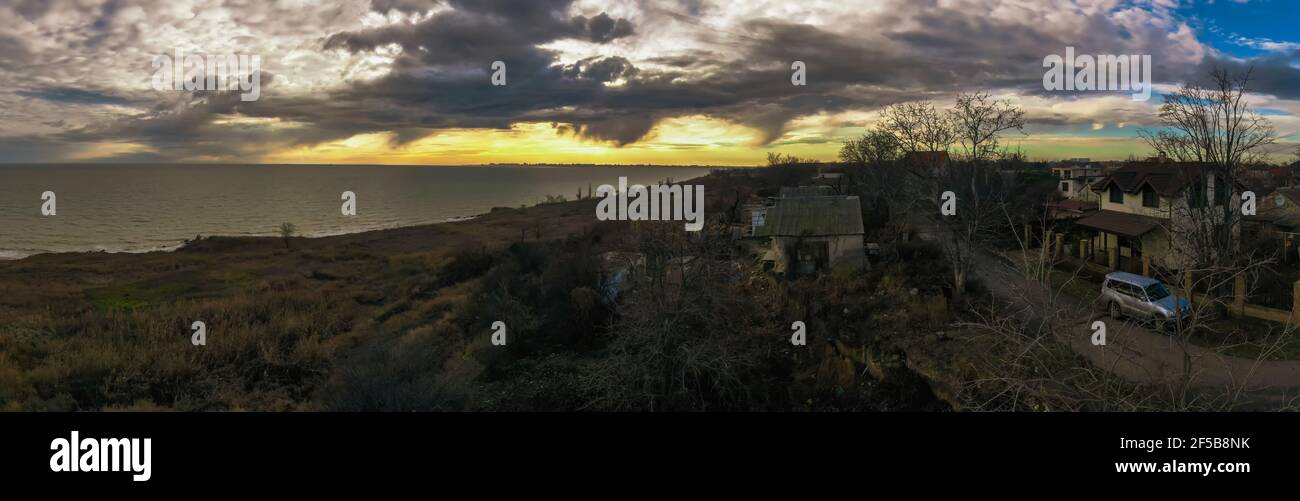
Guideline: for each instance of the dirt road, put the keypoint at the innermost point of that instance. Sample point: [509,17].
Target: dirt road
[1131,350]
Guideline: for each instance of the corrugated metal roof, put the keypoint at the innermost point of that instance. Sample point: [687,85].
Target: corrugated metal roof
[813,216]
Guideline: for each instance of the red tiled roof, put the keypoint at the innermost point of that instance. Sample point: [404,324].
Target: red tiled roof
[926,158]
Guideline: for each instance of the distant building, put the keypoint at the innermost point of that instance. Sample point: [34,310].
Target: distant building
[831,175]
[1075,180]
[1072,209]
[928,160]
[814,233]
[758,211]
[1276,212]
[806,191]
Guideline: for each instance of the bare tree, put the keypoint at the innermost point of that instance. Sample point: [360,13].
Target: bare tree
[874,149]
[886,188]
[981,200]
[918,127]
[978,121]
[1213,123]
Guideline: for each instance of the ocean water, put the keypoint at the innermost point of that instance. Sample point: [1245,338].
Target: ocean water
[140,208]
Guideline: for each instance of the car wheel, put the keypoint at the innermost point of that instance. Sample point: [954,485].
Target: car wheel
[1113,309]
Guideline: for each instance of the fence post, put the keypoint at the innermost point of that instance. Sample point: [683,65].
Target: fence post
[1029,237]
[1295,301]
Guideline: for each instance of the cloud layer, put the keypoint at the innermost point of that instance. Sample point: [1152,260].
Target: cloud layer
[77,73]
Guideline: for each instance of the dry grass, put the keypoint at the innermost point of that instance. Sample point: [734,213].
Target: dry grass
[97,331]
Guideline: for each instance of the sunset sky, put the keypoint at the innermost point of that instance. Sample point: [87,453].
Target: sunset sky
[614,81]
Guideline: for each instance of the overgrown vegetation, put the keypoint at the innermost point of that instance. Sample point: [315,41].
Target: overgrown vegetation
[401,320]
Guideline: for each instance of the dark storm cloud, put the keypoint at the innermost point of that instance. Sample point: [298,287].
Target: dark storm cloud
[1274,74]
[73,95]
[442,78]
[603,69]
[603,28]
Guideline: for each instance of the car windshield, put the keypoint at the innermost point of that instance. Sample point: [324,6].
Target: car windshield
[1157,291]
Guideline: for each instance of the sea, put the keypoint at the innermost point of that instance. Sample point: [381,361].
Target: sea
[153,207]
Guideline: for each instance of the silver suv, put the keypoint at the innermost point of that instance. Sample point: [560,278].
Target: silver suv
[1144,298]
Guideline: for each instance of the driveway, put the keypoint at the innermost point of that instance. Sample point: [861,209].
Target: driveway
[1132,351]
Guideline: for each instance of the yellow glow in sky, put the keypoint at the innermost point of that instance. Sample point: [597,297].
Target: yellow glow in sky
[677,141]
[691,140]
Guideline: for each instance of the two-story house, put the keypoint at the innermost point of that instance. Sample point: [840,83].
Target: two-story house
[1151,209]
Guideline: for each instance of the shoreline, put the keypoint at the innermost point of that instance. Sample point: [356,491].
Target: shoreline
[498,224]
[18,255]
[108,244]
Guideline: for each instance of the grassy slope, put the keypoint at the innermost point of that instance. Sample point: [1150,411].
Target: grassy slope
[100,330]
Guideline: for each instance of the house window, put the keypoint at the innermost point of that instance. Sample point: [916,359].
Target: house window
[1149,198]
[1065,187]
[1196,194]
[1116,195]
